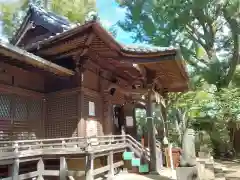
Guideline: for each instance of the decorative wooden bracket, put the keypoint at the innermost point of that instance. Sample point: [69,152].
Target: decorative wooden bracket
[126,91]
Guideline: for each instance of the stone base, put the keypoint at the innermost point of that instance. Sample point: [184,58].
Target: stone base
[209,171]
[204,155]
[187,173]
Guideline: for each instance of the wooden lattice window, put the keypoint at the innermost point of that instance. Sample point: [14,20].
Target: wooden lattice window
[5,103]
[70,106]
[21,112]
[34,109]
[60,107]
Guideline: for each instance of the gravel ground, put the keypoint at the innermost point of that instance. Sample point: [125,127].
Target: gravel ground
[125,176]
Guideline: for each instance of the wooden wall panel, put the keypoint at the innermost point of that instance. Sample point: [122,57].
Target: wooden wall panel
[54,84]
[62,115]
[18,77]
[20,117]
[91,80]
[107,115]
[61,128]
[98,111]
[5,78]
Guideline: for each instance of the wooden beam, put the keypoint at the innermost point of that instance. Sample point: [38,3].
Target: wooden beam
[6,162]
[51,173]
[20,91]
[76,173]
[28,175]
[89,171]
[33,60]
[63,169]
[106,168]
[126,91]
[40,169]
[15,169]
[27,28]
[111,166]
[77,51]
[151,136]
[144,60]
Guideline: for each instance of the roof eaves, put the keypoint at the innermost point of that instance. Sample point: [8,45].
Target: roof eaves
[75,28]
[50,18]
[29,58]
[146,49]
[20,30]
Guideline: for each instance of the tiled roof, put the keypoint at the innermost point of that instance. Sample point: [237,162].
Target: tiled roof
[62,24]
[54,22]
[145,48]
[23,56]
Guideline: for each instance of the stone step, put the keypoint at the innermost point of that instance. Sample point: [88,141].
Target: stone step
[220,178]
[233,176]
[219,175]
[218,169]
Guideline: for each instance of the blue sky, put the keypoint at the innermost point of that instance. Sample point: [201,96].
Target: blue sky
[110,13]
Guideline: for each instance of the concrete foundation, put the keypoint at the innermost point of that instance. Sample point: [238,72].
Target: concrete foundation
[187,173]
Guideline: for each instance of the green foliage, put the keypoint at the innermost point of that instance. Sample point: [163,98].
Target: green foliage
[75,10]
[140,115]
[205,30]
[236,77]
[13,13]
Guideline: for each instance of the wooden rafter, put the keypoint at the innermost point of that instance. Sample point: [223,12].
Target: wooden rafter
[29,58]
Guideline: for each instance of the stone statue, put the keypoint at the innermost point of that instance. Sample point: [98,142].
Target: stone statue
[188,156]
[188,169]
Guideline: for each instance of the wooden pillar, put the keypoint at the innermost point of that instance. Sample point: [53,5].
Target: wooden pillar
[151,134]
[40,169]
[63,169]
[123,133]
[79,83]
[164,115]
[89,167]
[110,163]
[15,169]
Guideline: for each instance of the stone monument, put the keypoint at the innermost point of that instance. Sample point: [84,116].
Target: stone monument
[188,165]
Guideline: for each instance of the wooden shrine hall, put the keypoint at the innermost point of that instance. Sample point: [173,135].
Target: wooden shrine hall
[59,80]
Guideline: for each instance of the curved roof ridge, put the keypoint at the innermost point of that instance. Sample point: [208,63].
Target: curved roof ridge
[58,18]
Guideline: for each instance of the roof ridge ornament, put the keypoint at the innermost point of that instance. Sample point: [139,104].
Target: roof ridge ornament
[92,16]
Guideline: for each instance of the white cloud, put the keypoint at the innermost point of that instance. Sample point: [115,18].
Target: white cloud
[106,23]
[8,1]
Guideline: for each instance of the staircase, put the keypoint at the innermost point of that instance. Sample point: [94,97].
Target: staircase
[138,155]
[218,171]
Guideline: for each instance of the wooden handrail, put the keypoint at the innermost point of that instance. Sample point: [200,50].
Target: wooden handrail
[92,147]
[80,143]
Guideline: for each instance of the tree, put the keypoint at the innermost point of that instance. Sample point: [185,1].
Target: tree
[75,10]
[206,31]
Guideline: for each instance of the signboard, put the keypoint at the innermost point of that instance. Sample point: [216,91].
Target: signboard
[129,121]
[91,108]
[91,128]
